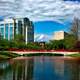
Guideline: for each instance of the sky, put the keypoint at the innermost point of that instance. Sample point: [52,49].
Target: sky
[48,15]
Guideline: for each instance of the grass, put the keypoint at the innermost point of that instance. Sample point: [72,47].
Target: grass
[73,55]
[42,54]
[4,57]
[7,55]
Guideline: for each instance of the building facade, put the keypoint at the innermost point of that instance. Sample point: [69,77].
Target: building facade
[9,28]
[59,35]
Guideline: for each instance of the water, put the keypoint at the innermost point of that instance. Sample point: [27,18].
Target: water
[40,68]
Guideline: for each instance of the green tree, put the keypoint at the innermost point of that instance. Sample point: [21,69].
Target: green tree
[48,46]
[4,44]
[19,38]
[33,46]
[69,42]
[55,44]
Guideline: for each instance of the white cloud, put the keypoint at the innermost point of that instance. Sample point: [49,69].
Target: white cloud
[42,37]
[40,9]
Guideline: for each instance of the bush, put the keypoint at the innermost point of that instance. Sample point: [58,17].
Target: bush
[77,46]
[57,44]
[33,46]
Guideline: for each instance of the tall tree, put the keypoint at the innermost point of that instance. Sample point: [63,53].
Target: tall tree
[75,28]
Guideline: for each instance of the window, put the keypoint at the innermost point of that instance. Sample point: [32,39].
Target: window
[6,31]
[17,28]
[2,30]
[11,24]
[11,32]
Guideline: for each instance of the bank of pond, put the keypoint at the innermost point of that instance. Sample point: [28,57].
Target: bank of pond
[9,55]
[43,54]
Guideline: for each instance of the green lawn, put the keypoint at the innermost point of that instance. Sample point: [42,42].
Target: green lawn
[4,57]
[73,55]
[7,55]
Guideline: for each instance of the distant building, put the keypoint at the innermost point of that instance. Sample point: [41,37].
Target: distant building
[59,35]
[23,26]
[42,44]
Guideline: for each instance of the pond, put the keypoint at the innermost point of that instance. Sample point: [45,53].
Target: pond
[40,68]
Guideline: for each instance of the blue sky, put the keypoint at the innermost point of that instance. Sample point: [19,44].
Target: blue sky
[48,15]
[47,28]
[71,0]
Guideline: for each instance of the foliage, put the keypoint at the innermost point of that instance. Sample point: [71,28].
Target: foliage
[74,55]
[75,28]
[77,46]
[48,46]
[69,42]
[4,44]
[7,55]
[19,38]
[33,46]
[56,44]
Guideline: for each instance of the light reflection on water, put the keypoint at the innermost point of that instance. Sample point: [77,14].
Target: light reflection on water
[40,68]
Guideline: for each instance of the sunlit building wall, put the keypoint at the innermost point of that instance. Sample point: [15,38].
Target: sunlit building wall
[59,35]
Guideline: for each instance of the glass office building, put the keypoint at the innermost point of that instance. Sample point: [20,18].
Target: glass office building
[23,26]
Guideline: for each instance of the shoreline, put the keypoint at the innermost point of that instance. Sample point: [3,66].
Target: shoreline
[14,54]
[43,52]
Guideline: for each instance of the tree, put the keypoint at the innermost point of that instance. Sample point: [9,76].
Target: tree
[57,44]
[69,42]
[4,44]
[77,46]
[48,46]
[75,28]
[19,38]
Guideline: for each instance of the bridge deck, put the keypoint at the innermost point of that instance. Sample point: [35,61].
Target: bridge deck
[64,53]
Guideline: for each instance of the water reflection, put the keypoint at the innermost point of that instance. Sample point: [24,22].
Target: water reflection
[40,68]
[5,71]
[58,66]
[72,70]
[23,70]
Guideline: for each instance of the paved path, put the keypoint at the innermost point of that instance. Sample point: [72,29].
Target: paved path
[30,52]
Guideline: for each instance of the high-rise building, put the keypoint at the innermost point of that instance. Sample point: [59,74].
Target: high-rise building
[9,28]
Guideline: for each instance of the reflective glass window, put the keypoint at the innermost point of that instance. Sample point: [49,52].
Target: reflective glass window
[2,30]
[6,30]
[11,30]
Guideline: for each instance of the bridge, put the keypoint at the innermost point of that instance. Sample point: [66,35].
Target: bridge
[43,52]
